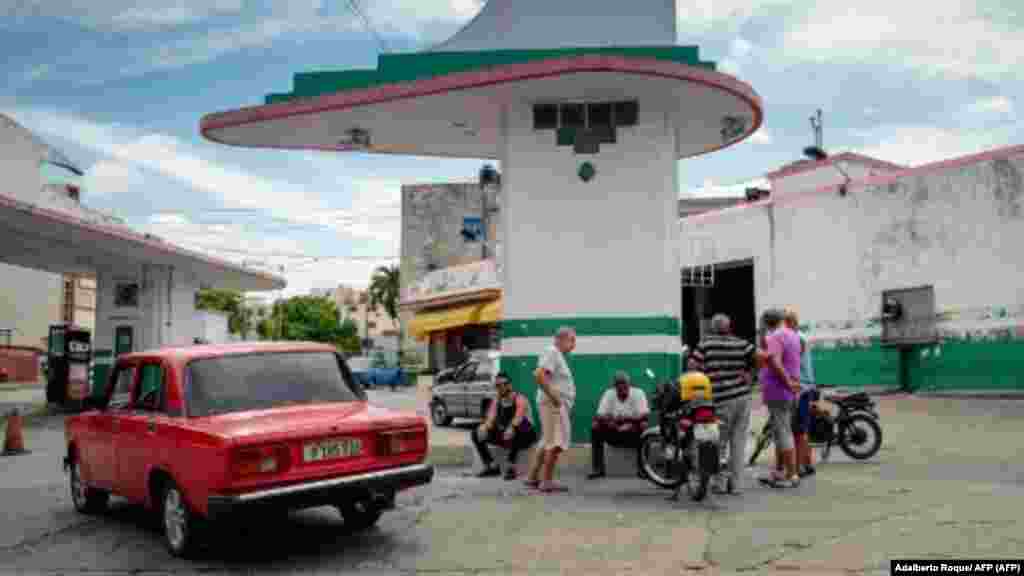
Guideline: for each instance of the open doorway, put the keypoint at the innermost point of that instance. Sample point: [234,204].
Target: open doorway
[725,288]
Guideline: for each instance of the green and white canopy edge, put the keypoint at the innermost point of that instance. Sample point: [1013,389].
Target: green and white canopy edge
[600,254]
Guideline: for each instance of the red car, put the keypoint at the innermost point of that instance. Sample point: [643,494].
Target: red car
[217,432]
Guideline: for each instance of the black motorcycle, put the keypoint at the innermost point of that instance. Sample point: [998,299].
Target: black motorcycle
[683,447]
[856,428]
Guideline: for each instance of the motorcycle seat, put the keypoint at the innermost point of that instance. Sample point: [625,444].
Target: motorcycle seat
[856,398]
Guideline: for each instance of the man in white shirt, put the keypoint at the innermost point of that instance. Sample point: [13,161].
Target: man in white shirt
[620,420]
[556,392]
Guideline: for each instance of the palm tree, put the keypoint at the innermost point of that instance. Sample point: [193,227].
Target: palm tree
[384,289]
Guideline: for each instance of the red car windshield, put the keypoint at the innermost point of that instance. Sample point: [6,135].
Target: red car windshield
[237,383]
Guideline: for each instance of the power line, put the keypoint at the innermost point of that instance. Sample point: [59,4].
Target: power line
[369,26]
[283,254]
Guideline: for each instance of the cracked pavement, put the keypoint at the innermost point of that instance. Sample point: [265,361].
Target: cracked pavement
[947,484]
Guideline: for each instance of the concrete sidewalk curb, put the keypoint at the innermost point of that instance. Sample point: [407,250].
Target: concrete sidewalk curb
[576,459]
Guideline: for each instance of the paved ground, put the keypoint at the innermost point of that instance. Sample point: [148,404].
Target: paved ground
[948,483]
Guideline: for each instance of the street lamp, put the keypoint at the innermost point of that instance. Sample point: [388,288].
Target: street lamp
[488,176]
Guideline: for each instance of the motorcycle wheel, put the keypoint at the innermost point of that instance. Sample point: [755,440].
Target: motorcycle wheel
[659,464]
[860,436]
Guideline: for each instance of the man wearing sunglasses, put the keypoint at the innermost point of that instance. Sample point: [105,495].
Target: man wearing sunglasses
[508,424]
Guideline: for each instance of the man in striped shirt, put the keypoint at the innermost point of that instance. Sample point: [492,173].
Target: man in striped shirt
[728,362]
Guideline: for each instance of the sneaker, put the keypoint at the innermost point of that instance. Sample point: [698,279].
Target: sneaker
[807,471]
[489,472]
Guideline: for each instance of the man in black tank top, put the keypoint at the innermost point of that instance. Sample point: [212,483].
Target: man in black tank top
[508,424]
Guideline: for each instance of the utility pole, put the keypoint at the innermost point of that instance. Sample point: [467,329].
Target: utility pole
[816,126]
[488,175]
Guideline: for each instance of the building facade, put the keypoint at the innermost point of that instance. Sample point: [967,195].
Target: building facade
[450,268]
[836,248]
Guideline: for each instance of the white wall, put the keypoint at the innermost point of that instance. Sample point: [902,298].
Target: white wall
[159,320]
[728,236]
[20,155]
[958,227]
[213,326]
[608,247]
[823,176]
[30,301]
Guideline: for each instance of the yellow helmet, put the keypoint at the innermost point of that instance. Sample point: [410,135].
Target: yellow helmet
[693,382]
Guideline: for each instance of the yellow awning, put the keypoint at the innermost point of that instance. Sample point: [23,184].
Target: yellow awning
[426,322]
[492,312]
[423,323]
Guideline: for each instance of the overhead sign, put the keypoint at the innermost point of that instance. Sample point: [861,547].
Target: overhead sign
[480,275]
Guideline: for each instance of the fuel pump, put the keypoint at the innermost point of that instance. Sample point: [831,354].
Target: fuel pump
[69,352]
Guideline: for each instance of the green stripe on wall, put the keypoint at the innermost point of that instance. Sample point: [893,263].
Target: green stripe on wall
[959,366]
[628,326]
[593,375]
[398,68]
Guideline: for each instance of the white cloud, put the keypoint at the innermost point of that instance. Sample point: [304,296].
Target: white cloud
[870,112]
[278,254]
[995,105]
[740,50]
[698,16]
[762,136]
[920,144]
[124,15]
[711,190]
[375,212]
[109,177]
[951,38]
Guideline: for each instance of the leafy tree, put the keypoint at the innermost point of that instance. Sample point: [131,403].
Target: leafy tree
[384,291]
[348,338]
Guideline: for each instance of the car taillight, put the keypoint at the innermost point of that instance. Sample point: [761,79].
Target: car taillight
[704,415]
[402,442]
[262,460]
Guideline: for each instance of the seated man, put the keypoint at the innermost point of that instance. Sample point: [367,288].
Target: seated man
[620,420]
[508,424]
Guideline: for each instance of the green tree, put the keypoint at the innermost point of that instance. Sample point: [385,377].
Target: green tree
[384,291]
[348,337]
[308,318]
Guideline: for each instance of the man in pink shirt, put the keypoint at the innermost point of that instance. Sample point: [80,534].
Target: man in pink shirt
[780,383]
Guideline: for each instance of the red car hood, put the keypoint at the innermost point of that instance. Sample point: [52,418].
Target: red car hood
[304,421]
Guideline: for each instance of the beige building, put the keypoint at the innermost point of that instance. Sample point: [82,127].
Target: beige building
[372,323]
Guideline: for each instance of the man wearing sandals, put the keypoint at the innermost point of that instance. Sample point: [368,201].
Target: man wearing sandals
[508,424]
[780,383]
[555,396]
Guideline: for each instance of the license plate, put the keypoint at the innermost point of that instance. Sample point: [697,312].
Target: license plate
[705,432]
[332,449]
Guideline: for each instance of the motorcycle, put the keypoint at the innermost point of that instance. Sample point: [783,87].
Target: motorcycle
[856,428]
[684,447]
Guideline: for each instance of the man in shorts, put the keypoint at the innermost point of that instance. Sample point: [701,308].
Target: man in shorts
[556,392]
[780,383]
[809,394]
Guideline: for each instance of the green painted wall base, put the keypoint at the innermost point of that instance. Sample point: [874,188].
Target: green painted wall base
[951,365]
[593,375]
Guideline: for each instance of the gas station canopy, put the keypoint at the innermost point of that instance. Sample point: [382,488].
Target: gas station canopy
[449,103]
[60,242]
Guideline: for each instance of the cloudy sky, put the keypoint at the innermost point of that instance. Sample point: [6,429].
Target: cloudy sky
[120,86]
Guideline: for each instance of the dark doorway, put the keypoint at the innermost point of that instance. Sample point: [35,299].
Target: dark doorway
[729,290]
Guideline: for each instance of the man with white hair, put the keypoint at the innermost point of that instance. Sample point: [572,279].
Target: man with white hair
[555,396]
[728,362]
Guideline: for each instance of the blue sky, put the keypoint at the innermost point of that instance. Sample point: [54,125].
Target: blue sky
[120,86]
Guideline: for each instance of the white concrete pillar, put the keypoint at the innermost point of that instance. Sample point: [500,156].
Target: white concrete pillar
[600,256]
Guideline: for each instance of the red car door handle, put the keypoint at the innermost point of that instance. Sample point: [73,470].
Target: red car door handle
[151,425]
